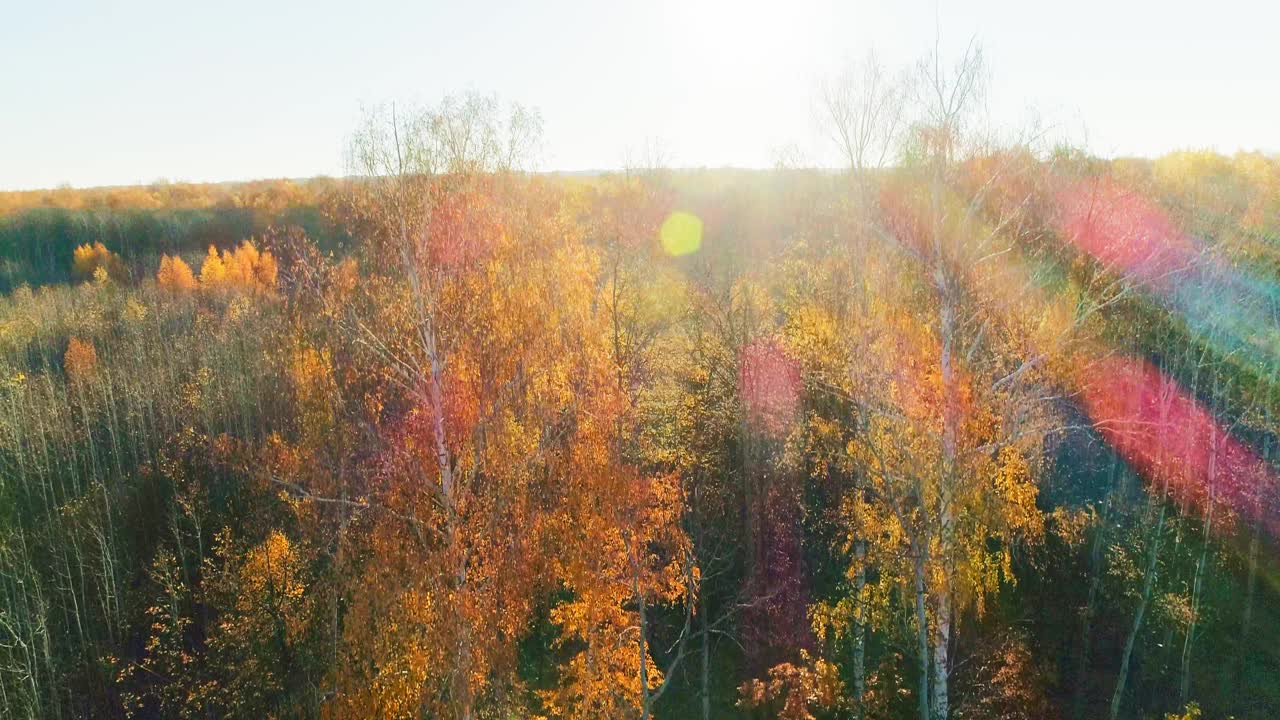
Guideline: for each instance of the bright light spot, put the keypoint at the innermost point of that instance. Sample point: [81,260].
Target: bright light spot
[681,233]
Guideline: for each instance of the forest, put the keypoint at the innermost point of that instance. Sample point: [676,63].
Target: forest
[975,426]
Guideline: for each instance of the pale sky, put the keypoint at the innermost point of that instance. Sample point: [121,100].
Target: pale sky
[102,92]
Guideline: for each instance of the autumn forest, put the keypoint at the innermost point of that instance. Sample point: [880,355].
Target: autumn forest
[973,426]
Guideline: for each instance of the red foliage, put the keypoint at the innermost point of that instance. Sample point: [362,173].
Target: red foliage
[769,384]
[463,227]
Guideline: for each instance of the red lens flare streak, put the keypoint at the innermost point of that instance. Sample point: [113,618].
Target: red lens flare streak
[1175,443]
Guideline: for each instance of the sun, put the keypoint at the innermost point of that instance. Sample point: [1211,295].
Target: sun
[718,36]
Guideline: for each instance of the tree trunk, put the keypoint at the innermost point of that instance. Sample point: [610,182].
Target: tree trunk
[922,632]
[1246,618]
[1184,686]
[1086,628]
[941,646]
[859,628]
[946,491]
[1091,603]
[645,709]
[1147,585]
[706,661]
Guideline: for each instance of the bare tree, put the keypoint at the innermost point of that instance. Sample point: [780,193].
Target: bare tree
[862,110]
[464,134]
[947,99]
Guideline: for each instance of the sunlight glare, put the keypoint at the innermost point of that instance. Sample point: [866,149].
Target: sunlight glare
[681,233]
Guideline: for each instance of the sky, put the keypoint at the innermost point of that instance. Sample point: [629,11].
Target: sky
[110,92]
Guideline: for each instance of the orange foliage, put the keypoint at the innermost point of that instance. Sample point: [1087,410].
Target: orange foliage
[268,197]
[80,360]
[795,691]
[175,274]
[506,462]
[1004,682]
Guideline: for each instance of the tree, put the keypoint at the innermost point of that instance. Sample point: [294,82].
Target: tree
[175,274]
[862,111]
[80,360]
[502,475]
[942,367]
[246,268]
[88,259]
[213,271]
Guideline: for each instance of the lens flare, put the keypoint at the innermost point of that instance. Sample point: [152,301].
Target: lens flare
[769,383]
[1124,232]
[1177,444]
[681,233]
[1133,237]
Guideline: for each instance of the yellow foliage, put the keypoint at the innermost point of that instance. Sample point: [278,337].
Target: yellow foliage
[1191,712]
[1070,525]
[135,311]
[213,272]
[1015,487]
[265,270]
[1188,174]
[88,259]
[311,374]
[270,570]
[245,269]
